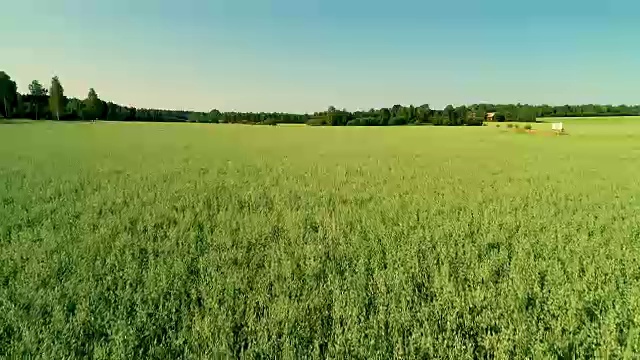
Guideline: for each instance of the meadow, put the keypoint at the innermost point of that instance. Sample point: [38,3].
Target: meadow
[133,240]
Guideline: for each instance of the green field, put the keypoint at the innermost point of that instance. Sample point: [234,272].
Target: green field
[213,241]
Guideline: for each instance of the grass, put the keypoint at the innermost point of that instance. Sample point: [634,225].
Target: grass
[212,241]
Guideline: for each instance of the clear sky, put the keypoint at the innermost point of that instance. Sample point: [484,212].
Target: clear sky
[304,55]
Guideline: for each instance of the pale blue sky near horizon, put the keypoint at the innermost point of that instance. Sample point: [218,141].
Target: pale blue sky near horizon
[304,55]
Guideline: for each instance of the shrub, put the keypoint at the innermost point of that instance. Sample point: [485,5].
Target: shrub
[317,122]
[527,127]
[497,125]
[363,122]
[516,126]
[398,121]
[474,121]
[509,126]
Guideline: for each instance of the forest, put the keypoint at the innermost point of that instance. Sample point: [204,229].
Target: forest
[51,103]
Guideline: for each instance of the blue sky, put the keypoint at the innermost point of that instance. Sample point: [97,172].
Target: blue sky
[304,55]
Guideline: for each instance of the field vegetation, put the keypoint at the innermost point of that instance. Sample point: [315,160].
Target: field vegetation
[131,240]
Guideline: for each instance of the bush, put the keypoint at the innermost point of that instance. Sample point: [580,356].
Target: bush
[497,125]
[474,121]
[363,122]
[317,122]
[509,126]
[527,127]
[398,121]
[516,126]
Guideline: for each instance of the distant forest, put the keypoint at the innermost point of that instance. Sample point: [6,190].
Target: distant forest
[50,103]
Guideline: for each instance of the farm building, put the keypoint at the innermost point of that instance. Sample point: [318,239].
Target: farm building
[490,116]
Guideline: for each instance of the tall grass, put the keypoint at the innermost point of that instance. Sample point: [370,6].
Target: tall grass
[195,241]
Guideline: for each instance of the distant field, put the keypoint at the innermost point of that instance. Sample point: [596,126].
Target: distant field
[202,241]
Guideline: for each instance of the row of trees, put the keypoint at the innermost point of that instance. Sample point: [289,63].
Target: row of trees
[50,103]
[399,115]
[47,103]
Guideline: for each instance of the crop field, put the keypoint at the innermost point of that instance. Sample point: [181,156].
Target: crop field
[132,240]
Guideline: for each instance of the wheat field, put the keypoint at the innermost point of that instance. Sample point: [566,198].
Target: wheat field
[131,240]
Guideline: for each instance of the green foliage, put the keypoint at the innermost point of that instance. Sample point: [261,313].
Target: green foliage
[398,121]
[338,118]
[93,106]
[196,241]
[317,122]
[8,94]
[270,121]
[56,97]
[36,89]
[367,121]
[75,108]
[449,115]
[38,94]
[527,127]
[510,126]
[385,116]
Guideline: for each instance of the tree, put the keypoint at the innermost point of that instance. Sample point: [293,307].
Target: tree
[395,110]
[8,92]
[423,113]
[92,105]
[385,115]
[19,112]
[411,114]
[214,115]
[56,97]
[449,114]
[74,108]
[37,91]
[461,115]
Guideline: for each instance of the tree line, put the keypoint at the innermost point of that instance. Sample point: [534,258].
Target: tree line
[51,103]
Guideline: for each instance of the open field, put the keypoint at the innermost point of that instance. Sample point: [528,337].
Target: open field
[131,240]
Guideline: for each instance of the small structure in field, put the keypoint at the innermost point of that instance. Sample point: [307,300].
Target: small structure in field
[557,127]
[491,116]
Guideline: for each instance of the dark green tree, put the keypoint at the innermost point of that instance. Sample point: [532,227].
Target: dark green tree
[411,114]
[20,110]
[92,106]
[74,108]
[385,116]
[56,97]
[449,115]
[37,92]
[395,110]
[461,115]
[423,114]
[8,93]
